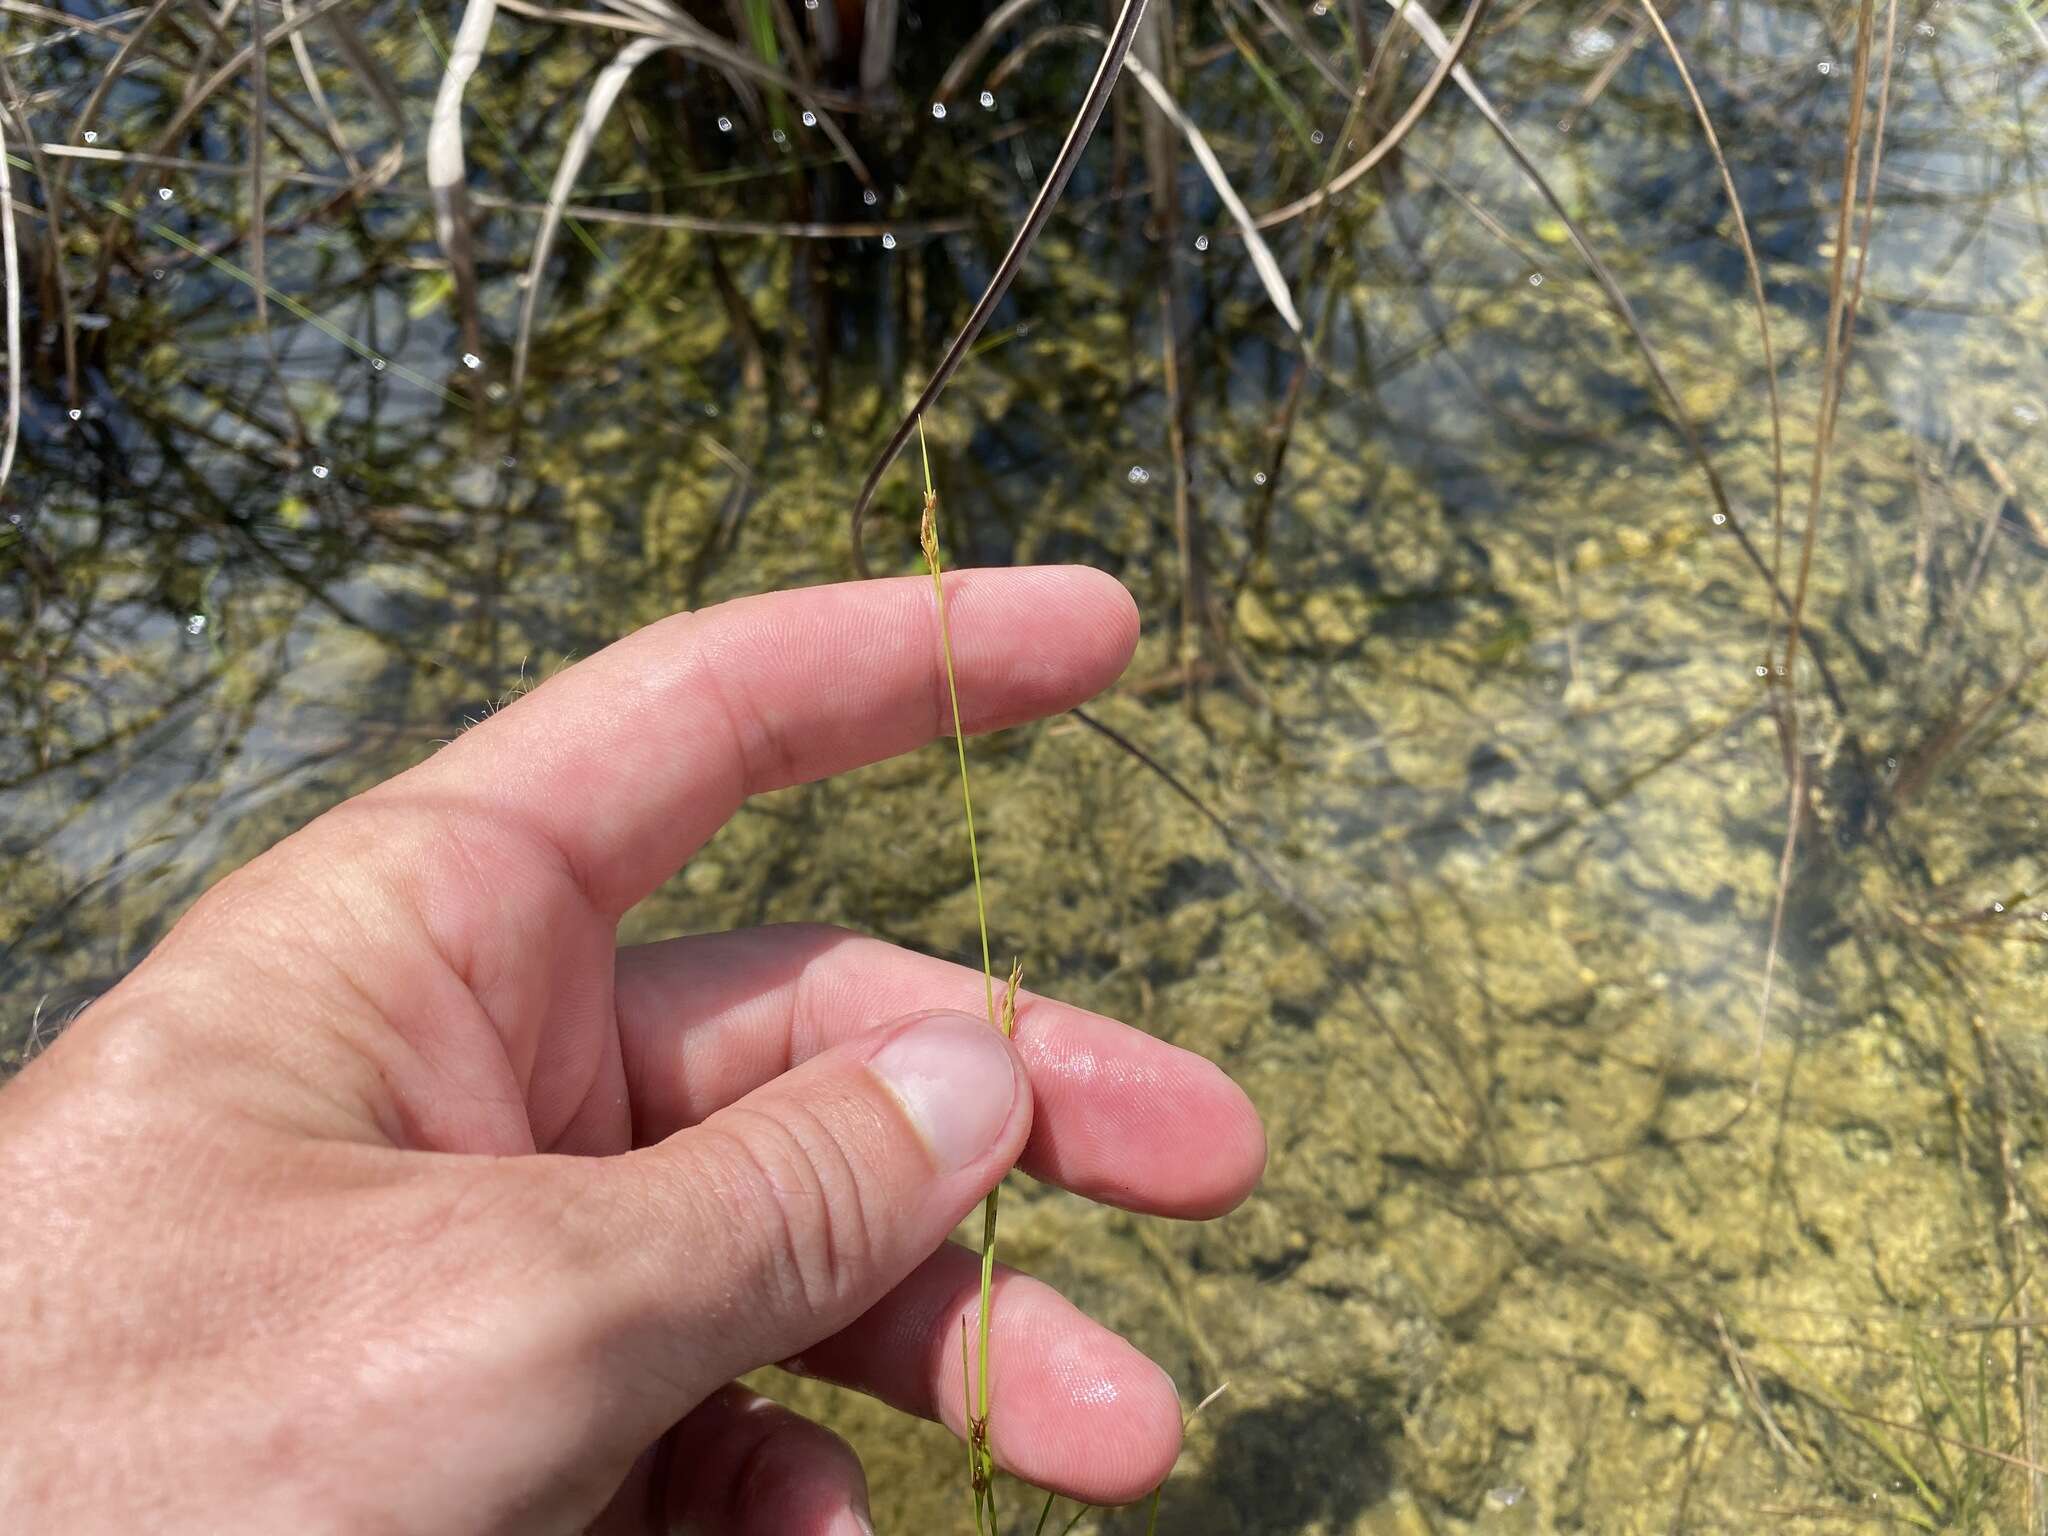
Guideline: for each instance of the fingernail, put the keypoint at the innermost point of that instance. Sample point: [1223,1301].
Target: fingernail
[952,1075]
[851,1523]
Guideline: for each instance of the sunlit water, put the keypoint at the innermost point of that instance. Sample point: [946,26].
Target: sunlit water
[1561,1231]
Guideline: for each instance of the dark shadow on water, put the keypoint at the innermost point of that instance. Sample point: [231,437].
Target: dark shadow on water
[1309,1462]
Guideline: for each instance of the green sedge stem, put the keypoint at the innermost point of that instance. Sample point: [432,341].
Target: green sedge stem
[980,1460]
[931,553]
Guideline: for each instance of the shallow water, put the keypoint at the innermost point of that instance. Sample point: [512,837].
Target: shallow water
[1563,1230]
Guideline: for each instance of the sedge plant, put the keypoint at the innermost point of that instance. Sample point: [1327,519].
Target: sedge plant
[974,1388]
[973,1378]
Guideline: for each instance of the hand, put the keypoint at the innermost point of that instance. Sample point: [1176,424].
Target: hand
[388,1194]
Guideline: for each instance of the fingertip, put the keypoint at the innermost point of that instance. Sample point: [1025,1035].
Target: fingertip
[1106,615]
[1110,603]
[1236,1152]
[1034,640]
[1083,1412]
[1153,1427]
[754,1468]
[1133,1121]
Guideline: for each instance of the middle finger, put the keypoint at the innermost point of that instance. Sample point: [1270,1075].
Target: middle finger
[1122,1118]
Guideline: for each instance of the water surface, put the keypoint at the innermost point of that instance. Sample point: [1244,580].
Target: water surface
[1492,741]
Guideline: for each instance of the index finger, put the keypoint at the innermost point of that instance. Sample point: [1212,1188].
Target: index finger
[628,761]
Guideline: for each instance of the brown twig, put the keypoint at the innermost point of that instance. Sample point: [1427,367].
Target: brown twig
[2015,1218]
[1738,1367]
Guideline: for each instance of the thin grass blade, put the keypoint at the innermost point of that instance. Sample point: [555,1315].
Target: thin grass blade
[878,46]
[977,47]
[54,217]
[1749,260]
[370,71]
[604,94]
[446,173]
[1270,276]
[323,109]
[1415,17]
[10,271]
[1391,139]
[1056,179]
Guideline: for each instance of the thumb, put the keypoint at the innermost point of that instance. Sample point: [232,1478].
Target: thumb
[783,1217]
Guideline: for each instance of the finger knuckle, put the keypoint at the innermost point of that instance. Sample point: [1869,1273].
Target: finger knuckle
[801,1201]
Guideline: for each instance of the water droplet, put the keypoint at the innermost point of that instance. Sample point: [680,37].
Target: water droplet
[1259,477]
[157,275]
[938,109]
[869,197]
[75,413]
[1720,518]
[91,136]
[1535,279]
[988,101]
[725,125]
[1511,1495]
[319,471]
[1925,29]
[1998,906]
[1762,670]
[1589,43]
[196,625]
[711,409]
[810,119]
[888,242]
[2026,415]
[810,5]
[1316,137]
[471,360]
[1320,8]
[510,461]
[377,363]
[1564,125]
[1826,66]
[1139,474]
[165,194]
[1201,242]
[778,135]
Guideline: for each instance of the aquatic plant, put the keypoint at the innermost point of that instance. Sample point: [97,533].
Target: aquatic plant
[980,1458]
[1489,824]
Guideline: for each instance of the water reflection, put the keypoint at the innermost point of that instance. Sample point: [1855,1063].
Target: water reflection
[1446,802]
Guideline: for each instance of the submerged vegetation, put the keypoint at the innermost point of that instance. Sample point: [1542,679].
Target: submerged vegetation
[1581,465]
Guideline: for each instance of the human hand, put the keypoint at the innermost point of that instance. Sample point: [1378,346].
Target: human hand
[388,1194]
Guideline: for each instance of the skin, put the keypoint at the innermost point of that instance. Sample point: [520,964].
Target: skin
[389,1194]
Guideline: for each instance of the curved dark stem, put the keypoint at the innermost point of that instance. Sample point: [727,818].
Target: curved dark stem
[1083,129]
[1391,139]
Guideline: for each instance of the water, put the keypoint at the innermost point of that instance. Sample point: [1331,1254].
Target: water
[1555,1210]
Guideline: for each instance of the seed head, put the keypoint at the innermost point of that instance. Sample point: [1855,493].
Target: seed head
[1008,1021]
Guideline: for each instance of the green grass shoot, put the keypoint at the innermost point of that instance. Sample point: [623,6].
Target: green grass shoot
[974,1385]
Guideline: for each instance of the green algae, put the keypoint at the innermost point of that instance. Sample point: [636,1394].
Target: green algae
[1555,1236]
